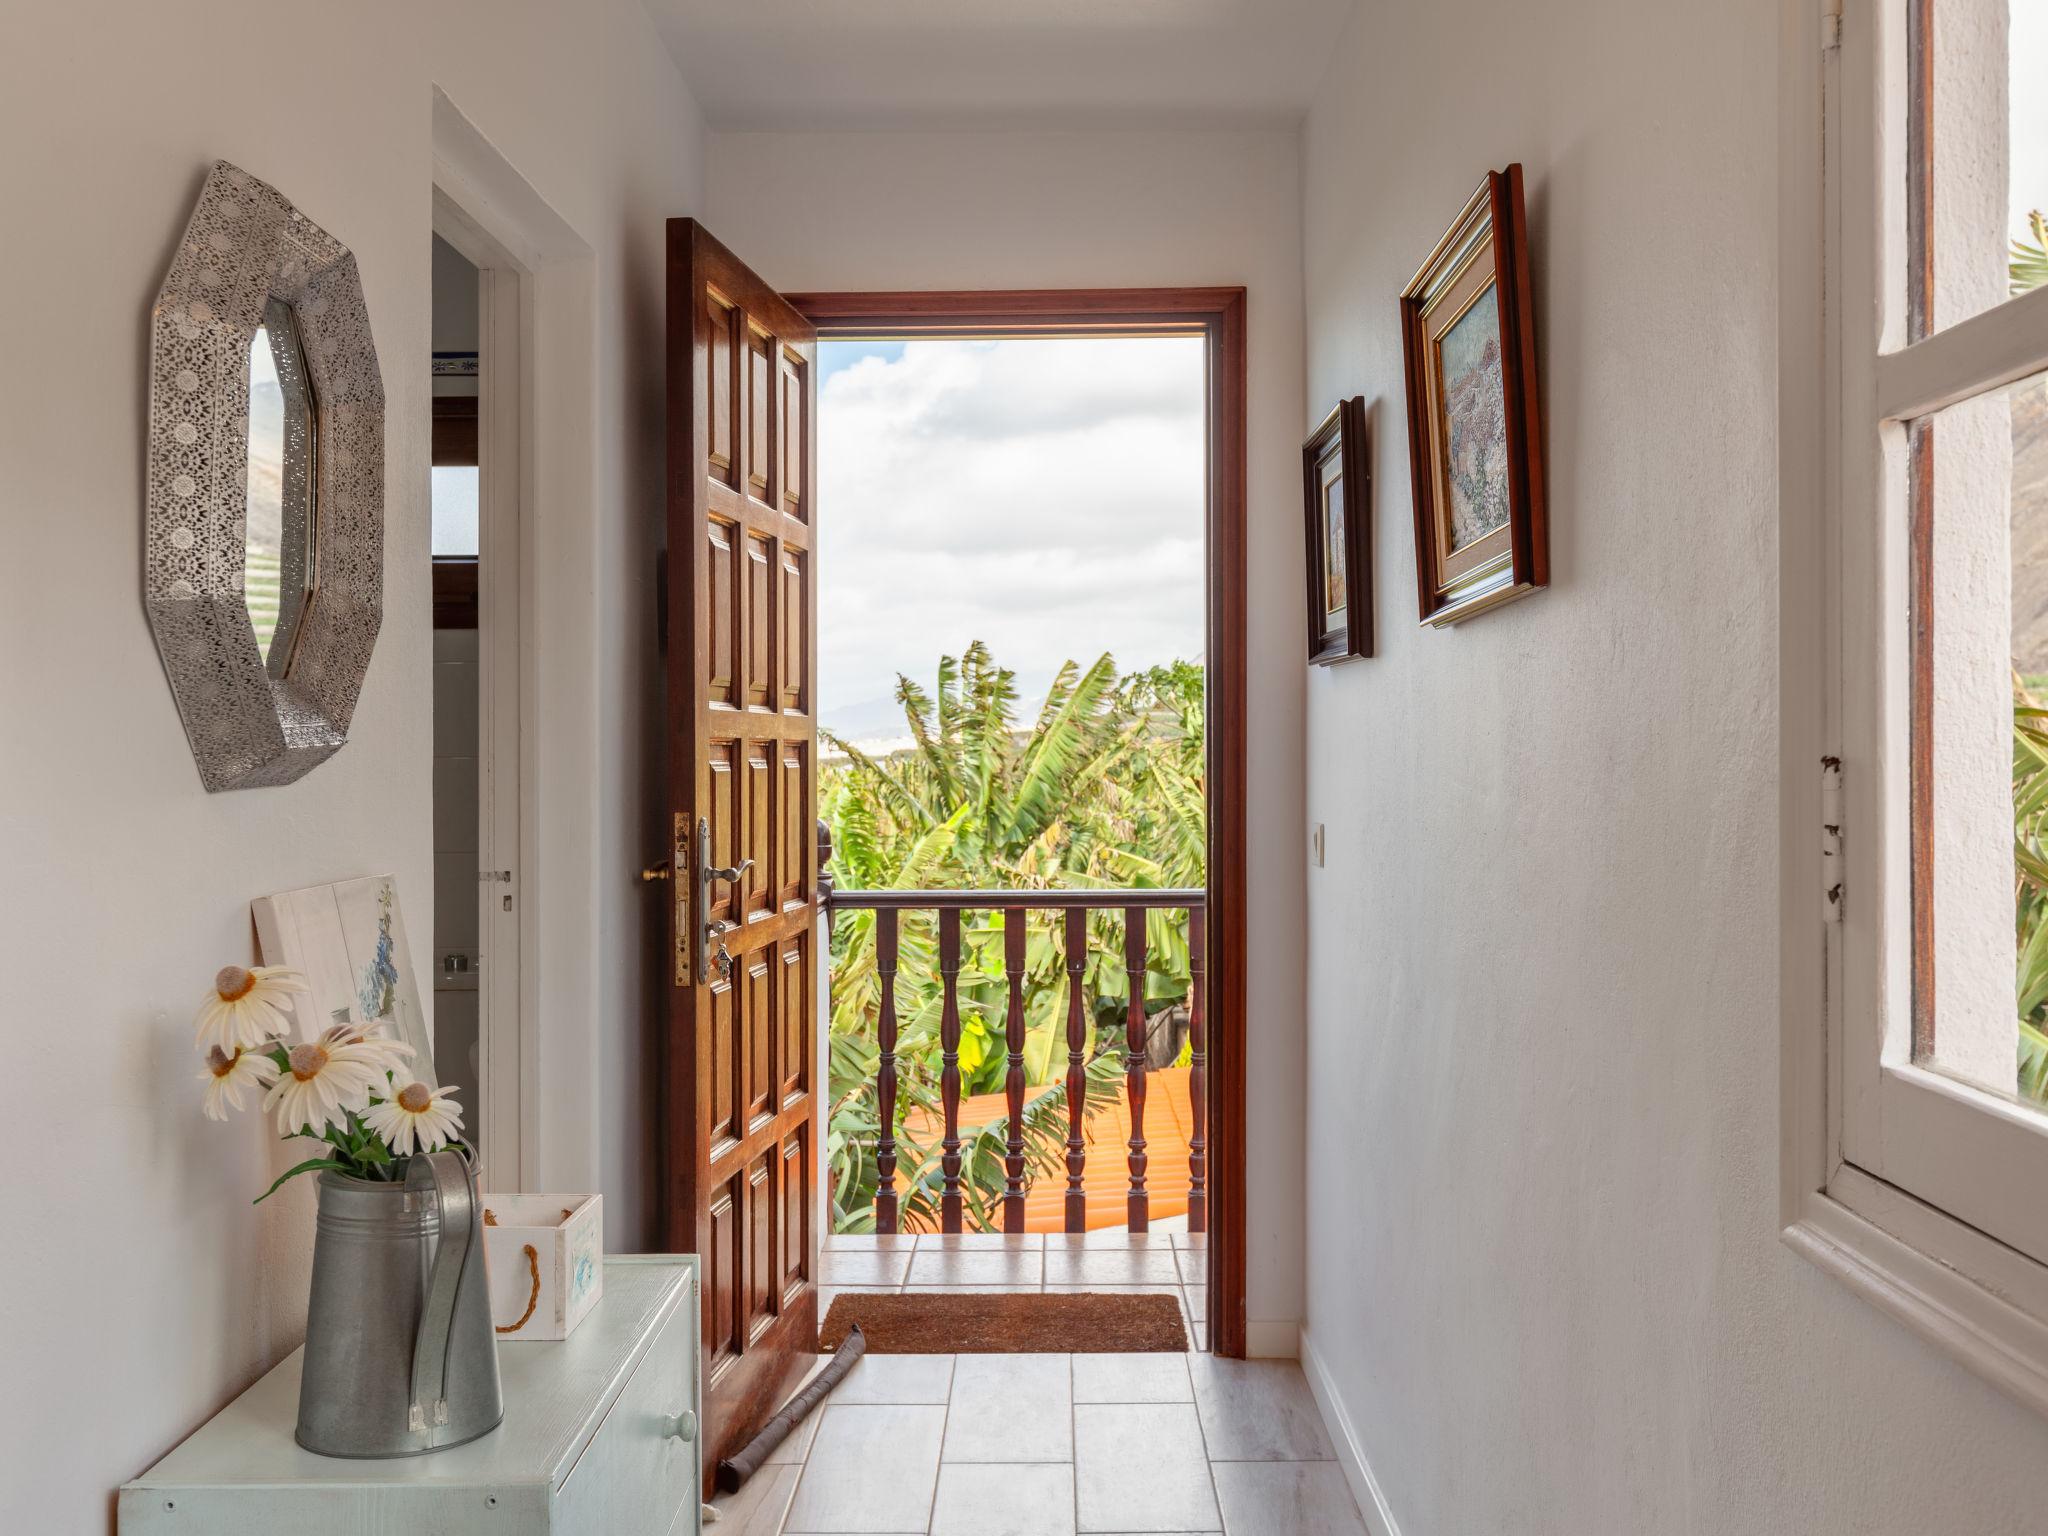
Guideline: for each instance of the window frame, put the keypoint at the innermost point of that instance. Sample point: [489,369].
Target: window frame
[1894,1176]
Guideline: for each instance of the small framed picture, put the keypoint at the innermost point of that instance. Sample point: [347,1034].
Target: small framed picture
[1475,440]
[1336,500]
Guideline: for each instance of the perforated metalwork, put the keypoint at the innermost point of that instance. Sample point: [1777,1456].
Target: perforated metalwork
[245,244]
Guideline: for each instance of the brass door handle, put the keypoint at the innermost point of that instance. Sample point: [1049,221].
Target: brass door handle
[654,872]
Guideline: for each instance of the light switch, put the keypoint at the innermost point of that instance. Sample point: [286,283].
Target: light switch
[1316,844]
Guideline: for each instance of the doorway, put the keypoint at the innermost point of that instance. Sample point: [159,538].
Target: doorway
[1173,1035]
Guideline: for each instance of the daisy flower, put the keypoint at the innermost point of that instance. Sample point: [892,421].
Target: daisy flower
[383,1052]
[246,1007]
[230,1075]
[416,1115]
[325,1080]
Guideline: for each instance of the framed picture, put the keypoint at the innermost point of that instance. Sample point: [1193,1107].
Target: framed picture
[349,941]
[1468,338]
[1336,503]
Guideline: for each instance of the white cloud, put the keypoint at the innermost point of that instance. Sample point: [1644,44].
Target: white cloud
[1043,495]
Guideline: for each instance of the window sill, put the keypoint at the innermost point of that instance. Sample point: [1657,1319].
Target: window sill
[1978,1301]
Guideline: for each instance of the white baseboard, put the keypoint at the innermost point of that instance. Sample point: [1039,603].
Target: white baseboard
[1365,1488]
[1272,1338]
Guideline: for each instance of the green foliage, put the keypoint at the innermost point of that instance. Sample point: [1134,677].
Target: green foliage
[1104,790]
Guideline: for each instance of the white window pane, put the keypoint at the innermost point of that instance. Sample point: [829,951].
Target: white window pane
[455,509]
[1985,69]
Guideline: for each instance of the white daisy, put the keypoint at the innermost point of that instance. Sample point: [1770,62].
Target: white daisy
[246,1007]
[228,1077]
[416,1115]
[327,1079]
[377,1047]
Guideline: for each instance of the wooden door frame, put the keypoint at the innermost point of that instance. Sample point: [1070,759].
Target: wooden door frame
[1218,315]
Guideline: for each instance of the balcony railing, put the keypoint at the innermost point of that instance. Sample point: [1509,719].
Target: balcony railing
[1074,905]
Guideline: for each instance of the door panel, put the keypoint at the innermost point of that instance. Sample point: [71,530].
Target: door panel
[738,1117]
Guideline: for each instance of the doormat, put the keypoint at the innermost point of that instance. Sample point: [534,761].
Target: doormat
[977,1323]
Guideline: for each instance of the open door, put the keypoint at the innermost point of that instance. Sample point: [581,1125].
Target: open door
[738,1125]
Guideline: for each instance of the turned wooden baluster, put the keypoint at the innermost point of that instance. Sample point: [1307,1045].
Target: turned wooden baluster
[1077,1069]
[1140,1215]
[885,1078]
[1013,1084]
[949,1078]
[1198,1076]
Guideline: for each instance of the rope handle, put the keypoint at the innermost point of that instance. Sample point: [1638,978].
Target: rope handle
[533,1300]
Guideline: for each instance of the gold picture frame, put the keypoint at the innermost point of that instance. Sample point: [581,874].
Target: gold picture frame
[1475,439]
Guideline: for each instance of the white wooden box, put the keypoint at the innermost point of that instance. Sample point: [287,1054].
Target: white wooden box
[599,1439]
[545,1258]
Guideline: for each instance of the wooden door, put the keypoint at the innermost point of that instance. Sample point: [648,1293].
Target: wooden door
[739,1122]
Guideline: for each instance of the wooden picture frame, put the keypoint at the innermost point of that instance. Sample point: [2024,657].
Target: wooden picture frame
[1475,440]
[1336,508]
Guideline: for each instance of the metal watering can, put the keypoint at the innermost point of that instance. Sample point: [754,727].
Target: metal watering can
[400,1356]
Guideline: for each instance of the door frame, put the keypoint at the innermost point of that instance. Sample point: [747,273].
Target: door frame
[1218,315]
[536,450]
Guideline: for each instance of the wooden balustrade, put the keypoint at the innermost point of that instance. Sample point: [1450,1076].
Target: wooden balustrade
[1074,907]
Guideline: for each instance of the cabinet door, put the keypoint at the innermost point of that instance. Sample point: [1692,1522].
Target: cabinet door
[637,1473]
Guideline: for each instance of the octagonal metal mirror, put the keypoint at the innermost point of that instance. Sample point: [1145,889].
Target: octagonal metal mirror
[264,550]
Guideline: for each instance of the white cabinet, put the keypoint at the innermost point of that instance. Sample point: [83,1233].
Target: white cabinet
[599,1439]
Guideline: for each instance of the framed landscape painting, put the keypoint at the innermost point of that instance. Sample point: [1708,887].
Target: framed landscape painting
[1335,501]
[1475,441]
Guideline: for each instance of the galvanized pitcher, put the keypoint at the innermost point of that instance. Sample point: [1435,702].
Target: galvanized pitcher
[400,1356]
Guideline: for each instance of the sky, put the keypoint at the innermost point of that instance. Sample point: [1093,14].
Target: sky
[1043,495]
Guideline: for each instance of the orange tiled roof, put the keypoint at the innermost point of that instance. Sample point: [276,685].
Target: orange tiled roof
[1169,1122]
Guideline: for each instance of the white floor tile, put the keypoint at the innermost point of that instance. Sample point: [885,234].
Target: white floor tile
[1193,1264]
[997,1241]
[873,1469]
[1257,1410]
[854,1266]
[758,1508]
[973,1266]
[1109,1238]
[1301,1498]
[1132,1379]
[1011,1408]
[896,1379]
[870,1242]
[1141,1467]
[997,1500]
[1111,1266]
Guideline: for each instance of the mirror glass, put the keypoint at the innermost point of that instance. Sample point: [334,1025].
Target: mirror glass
[278,535]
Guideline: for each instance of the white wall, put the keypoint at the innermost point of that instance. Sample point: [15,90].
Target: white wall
[1544,1275]
[142,1290]
[1037,209]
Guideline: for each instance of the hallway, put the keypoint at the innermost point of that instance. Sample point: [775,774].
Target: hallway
[1054,1445]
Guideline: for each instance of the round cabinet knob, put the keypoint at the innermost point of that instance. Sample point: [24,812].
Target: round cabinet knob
[682,1426]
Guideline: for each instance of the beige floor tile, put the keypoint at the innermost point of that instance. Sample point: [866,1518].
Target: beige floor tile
[873,1469]
[1197,1299]
[857,1267]
[758,1508]
[1011,1408]
[1111,1266]
[1193,1264]
[955,1266]
[1257,1410]
[994,1500]
[1301,1498]
[1190,1239]
[1141,1467]
[896,1379]
[1131,1378]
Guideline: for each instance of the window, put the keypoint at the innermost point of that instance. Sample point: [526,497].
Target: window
[1933,566]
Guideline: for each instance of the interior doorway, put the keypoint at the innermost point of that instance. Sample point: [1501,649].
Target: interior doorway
[475,455]
[1133,1175]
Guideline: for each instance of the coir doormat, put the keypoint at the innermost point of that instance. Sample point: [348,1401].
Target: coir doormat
[935,1323]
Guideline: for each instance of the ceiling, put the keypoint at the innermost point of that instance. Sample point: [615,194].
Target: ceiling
[881,63]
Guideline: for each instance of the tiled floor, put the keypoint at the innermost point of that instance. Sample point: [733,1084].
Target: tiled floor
[1164,1261]
[1054,1445]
